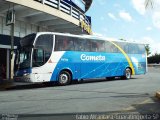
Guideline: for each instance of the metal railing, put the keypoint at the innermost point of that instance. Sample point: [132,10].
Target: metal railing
[67,8]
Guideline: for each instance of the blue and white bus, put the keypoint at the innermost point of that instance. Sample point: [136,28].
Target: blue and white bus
[48,57]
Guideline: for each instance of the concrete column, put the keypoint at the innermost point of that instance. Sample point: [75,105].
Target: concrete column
[59,1]
[43,1]
[7,65]
[71,10]
[12,65]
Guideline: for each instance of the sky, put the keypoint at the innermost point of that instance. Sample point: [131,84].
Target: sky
[127,19]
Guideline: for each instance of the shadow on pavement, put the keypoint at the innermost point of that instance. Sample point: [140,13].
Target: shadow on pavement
[150,106]
[55,84]
[136,114]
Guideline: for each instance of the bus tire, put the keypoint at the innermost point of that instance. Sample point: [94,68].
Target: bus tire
[64,78]
[127,74]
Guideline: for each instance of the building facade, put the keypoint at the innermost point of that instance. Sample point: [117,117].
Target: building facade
[66,16]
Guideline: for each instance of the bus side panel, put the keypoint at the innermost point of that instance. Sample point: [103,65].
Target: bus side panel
[66,62]
[85,65]
[92,64]
[44,72]
[139,62]
[63,66]
[114,65]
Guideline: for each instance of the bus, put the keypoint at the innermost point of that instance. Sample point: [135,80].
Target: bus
[63,58]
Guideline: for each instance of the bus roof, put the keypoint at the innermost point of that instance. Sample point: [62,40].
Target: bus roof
[94,37]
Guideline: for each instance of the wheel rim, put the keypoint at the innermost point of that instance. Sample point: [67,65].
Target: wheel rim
[128,73]
[63,78]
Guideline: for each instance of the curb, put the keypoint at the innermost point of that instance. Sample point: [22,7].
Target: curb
[158,95]
[17,86]
[5,86]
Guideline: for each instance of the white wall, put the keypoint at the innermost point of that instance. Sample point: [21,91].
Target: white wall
[21,28]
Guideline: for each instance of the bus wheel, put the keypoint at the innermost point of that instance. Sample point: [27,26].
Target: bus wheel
[128,73]
[64,78]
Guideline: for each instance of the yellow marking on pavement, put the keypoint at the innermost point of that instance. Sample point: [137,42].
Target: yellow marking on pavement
[145,101]
[158,95]
[128,108]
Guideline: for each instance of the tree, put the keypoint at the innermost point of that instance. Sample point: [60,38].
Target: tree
[147,49]
[154,59]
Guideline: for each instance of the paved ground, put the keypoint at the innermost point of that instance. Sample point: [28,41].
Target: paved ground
[135,96]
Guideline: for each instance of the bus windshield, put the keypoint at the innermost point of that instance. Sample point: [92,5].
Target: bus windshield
[25,57]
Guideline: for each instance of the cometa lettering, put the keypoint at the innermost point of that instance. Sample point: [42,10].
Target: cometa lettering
[85,57]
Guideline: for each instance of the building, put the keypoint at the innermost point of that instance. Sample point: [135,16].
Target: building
[31,16]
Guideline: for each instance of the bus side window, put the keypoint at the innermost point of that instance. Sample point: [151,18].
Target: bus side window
[69,44]
[101,46]
[94,46]
[64,43]
[57,45]
[113,49]
[38,56]
[87,45]
[107,47]
[136,49]
[126,48]
[43,45]
[60,43]
[123,46]
[79,44]
[133,48]
[142,49]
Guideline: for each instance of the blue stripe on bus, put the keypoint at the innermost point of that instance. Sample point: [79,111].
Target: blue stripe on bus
[84,65]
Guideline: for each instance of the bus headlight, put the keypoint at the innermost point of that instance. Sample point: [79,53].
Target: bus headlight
[26,74]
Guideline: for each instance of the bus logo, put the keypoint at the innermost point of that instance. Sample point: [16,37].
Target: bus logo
[85,57]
